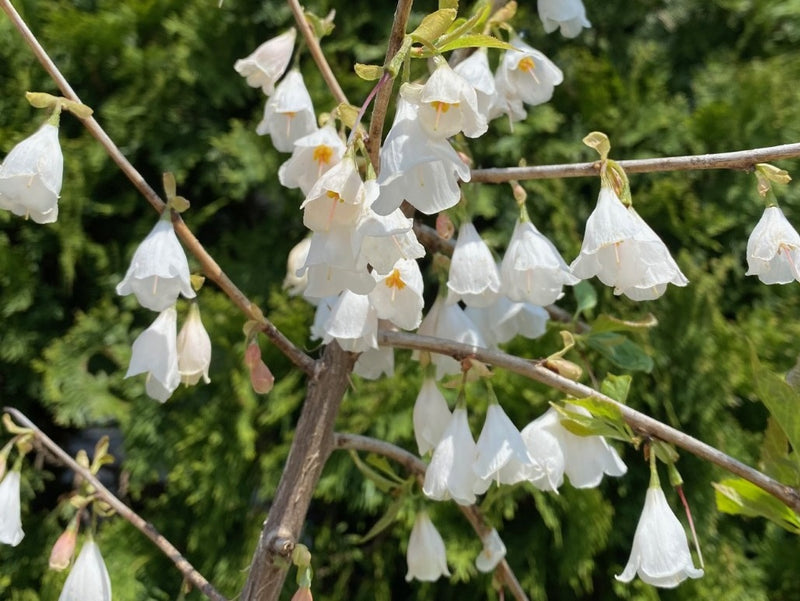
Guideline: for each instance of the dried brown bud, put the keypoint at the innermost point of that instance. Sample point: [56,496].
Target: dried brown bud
[261,377]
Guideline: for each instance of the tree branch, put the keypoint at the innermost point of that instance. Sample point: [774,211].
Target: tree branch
[311,446]
[146,528]
[415,465]
[209,265]
[640,422]
[316,52]
[743,160]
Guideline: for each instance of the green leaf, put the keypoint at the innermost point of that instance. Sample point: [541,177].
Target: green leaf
[777,460]
[476,40]
[586,296]
[387,519]
[381,463]
[616,387]
[607,323]
[434,25]
[368,72]
[782,401]
[588,425]
[740,497]
[620,350]
[384,484]
[444,4]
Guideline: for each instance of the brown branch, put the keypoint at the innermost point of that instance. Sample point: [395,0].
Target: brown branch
[640,422]
[189,572]
[311,446]
[316,52]
[396,36]
[743,160]
[209,265]
[415,465]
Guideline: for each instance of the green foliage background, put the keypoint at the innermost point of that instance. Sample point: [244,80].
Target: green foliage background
[661,78]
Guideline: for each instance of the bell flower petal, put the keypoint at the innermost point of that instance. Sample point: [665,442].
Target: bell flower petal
[88,580]
[503,320]
[10,512]
[268,62]
[475,69]
[450,474]
[569,15]
[431,416]
[353,323]
[473,276]
[426,555]
[374,363]
[501,453]
[494,550]
[773,249]
[397,297]
[155,352]
[312,156]
[194,349]
[289,113]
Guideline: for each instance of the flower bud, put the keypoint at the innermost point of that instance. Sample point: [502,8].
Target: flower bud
[565,368]
[64,548]
[261,377]
[303,594]
[444,226]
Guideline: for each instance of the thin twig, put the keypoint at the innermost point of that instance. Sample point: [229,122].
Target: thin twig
[189,572]
[316,52]
[396,36]
[640,422]
[415,465]
[209,265]
[742,160]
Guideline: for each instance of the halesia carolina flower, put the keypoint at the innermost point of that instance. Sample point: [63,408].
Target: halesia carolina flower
[621,249]
[353,323]
[501,453]
[337,198]
[261,377]
[773,249]
[159,271]
[289,113]
[268,62]
[64,549]
[387,239]
[431,416]
[426,555]
[155,352]
[397,296]
[31,176]
[10,513]
[569,15]
[660,553]
[312,156]
[475,69]
[450,474]
[450,323]
[88,580]
[532,270]
[494,550]
[503,320]
[293,283]
[194,349]
[473,275]
[374,363]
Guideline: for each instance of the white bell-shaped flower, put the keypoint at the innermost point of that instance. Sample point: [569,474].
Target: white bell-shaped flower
[353,323]
[447,104]
[88,579]
[374,363]
[10,513]
[525,74]
[660,553]
[336,199]
[503,320]
[494,550]
[450,474]
[624,252]
[501,453]
[417,167]
[268,62]
[289,113]
[473,276]
[426,554]
[449,322]
[194,349]
[31,176]
[532,270]
[312,156]
[333,264]
[547,472]
[159,271]
[773,249]
[475,69]
[569,15]
[397,296]
[387,239]
[293,283]
[155,352]
[431,416]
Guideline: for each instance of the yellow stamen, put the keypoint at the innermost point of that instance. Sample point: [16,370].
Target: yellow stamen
[441,108]
[528,65]
[322,155]
[336,199]
[394,280]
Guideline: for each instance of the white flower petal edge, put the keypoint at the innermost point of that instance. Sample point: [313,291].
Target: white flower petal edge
[569,15]
[268,62]
[155,352]
[431,416]
[474,277]
[501,452]
[660,553]
[450,475]
[194,349]
[426,555]
[88,580]
[773,249]
[10,515]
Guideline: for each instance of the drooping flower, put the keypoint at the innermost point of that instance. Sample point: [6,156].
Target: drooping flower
[268,62]
[387,239]
[624,252]
[10,512]
[312,156]
[155,352]
[473,276]
[426,555]
[431,416]
[159,271]
[569,15]
[475,69]
[353,323]
[261,378]
[450,474]
[773,249]
[532,270]
[289,113]
[501,453]
[337,198]
[31,176]
[88,580]
[194,349]
[374,363]
[503,320]
[660,553]
[293,283]
[397,296]
[494,550]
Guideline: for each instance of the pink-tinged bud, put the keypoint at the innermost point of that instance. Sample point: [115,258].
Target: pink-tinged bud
[261,377]
[64,549]
[303,594]
[444,226]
